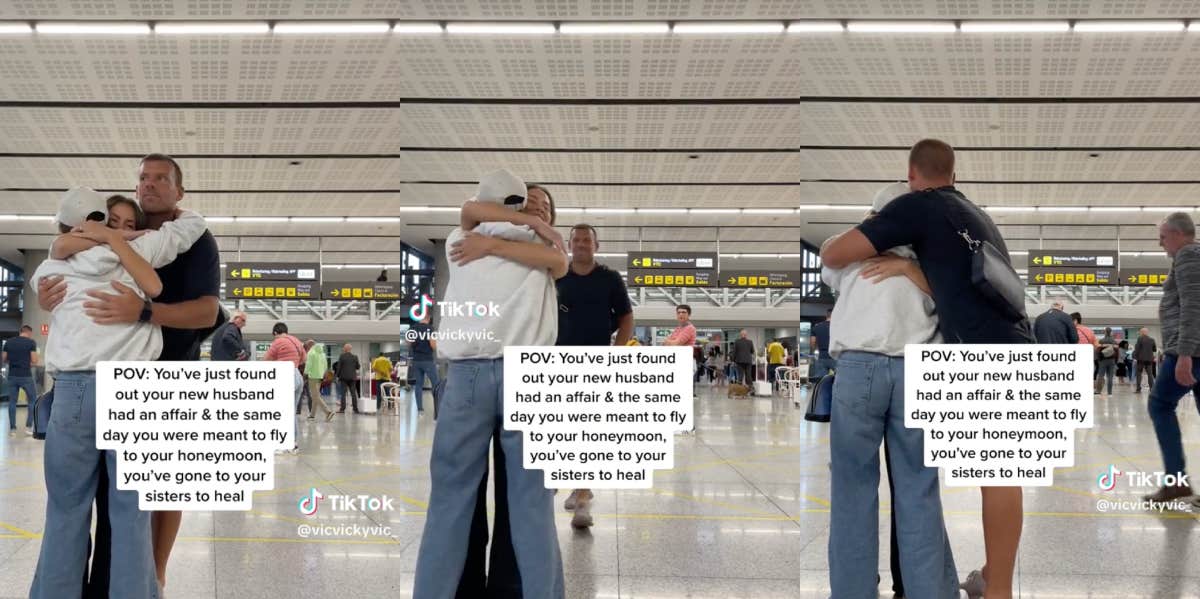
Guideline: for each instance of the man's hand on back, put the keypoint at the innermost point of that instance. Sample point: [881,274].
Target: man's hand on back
[106,308]
[51,291]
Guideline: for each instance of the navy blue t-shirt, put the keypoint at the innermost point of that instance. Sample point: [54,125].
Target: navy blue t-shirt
[20,356]
[920,219]
[821,332]
[422,350]
[194,274]
[590,306]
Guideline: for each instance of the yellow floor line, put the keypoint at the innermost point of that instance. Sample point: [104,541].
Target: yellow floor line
[20,531]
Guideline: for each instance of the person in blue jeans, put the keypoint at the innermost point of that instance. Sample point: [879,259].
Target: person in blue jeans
[20,353]
[506,260]
[1179,312]
[883,304]
[819,344]
[422,346]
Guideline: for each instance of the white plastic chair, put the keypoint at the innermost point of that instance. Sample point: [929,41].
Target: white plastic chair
[391,397]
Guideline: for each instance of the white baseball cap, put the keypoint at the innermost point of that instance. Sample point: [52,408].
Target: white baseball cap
[81,204]
[887,194]
[502,187]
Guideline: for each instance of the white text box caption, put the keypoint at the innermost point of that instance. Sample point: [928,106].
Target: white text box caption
[998,415]
[194,435]
[598,417]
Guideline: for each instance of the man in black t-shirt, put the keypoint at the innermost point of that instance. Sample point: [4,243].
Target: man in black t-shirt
[20,353]
[928,219]
[188,310]
[592,304]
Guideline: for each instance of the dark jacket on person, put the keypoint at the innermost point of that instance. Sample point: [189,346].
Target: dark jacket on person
[1145,349]
[347,367]
[227,344]
[743,351]
[1055,326]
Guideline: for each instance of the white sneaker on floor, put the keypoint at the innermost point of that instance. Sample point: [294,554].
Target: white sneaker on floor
[28,432]
[974,585]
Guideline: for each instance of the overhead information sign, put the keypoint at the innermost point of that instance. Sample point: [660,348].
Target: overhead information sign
[670,278]
[1073,276]
[1072,258]
[1144,277]
[272,290]
[273,271]
[700,260]
[350,291]
[784,279]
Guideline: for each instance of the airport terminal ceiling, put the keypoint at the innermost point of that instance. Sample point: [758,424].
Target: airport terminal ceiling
[771,138]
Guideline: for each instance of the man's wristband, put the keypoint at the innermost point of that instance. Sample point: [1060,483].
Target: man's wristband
[147,312]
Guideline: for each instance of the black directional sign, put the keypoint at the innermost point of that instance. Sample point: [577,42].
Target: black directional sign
[1073,259]
[675,277]
[784,279]
[1073,276]
[350,291]
[1144,277]
[272,290]
[273,271]
[698,260]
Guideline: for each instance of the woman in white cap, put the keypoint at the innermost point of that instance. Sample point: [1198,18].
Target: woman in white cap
[883,304]
[75,345]
[505,253]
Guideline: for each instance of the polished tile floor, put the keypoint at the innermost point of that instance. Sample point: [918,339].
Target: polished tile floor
[744,514]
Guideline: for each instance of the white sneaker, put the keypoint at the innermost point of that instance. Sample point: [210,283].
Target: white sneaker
[28,432]
[974,585]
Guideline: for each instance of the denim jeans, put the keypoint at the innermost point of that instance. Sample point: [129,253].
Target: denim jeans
[868,401]
[72,465]
[823,366]
[299,387]
[26,384]
[1108,369]
[421,370]
[1164,398]
[473,407]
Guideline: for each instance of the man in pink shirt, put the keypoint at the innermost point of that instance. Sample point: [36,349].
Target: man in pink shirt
[685,333]
[287,348]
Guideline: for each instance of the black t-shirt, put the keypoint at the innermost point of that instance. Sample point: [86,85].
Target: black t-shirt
[20,356]
[194,274]
[590,306]
[920,219]
[821,332]
[422,350]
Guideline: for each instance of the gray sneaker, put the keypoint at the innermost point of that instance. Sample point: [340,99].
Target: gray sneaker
[583,515]
[974,585]
[569,504]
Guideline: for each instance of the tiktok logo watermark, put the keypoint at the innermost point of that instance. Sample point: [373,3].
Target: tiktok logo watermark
[420,310]
[310,503]
[1107,481]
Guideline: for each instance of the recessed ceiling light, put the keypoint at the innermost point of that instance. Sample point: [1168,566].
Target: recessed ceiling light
[333,27]
[198,28]
[1128,26]
[613,28]
[93,28]
[1015,27]
[15,28]
[501,28]
[734,27]
[901,27]
[417,28]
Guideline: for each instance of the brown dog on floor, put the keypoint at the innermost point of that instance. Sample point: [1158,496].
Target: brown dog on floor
[739,391]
